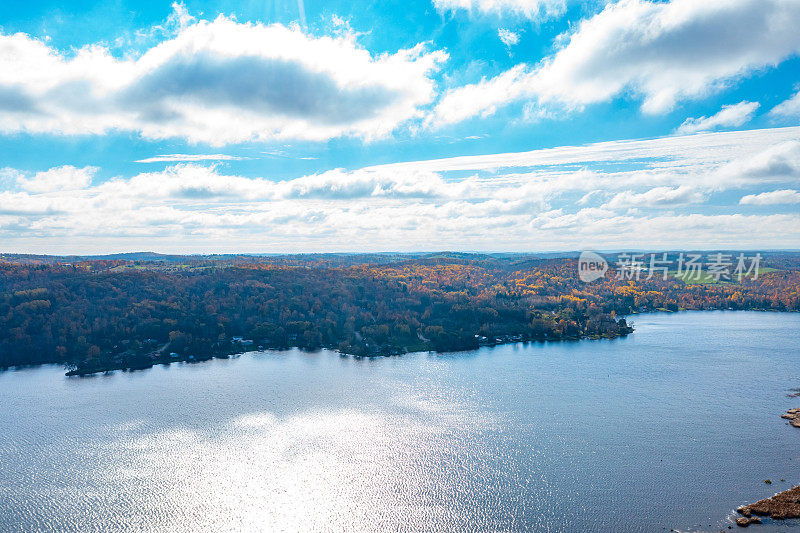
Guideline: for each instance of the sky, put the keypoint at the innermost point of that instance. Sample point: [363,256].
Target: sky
[272,126]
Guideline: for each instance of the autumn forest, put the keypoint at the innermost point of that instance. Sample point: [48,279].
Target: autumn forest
[133,311]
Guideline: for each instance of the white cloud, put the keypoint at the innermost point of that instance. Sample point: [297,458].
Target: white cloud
[9,177]
[63,178]
[26,204]
[174,158]
[729,116]
[788,108]
[534,9]
[590,196]
[482,98]
[776,148]
[784,196]
[340,184]
[662,52]
[216,82]
[508,37]
[180,16]
[193,183]
[776,163]
[656,197]
[638,193]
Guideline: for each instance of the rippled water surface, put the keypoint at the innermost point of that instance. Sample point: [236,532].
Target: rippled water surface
[670,428]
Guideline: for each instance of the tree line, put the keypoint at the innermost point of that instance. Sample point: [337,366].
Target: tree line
[100,315]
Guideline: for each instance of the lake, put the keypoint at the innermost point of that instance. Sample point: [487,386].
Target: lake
[671,427]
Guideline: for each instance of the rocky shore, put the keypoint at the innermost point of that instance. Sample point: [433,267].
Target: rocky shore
[783,505]
[793,416]
[779,507]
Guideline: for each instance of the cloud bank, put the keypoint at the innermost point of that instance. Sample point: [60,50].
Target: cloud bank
[672,191]
[216,82]
[659,52]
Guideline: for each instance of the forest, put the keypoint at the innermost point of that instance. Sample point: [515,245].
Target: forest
[131,312]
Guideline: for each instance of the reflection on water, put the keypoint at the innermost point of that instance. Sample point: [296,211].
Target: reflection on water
[670,428]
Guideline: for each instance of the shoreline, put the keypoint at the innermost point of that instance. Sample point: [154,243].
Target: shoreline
[194,358]
[784,505]
[401,350]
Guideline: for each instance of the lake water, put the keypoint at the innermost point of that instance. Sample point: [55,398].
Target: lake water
[672,427]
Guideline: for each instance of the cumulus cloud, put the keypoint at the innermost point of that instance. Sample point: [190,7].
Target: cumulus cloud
[779,162]
[656,197]
[662,52]
[534,9]
[193,182]
[784,196]
[64,178]
[729,116]
[26,204]
[216,82]
[788,108]
[340,184]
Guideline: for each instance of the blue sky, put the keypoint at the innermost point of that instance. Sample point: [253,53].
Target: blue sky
[271,126]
